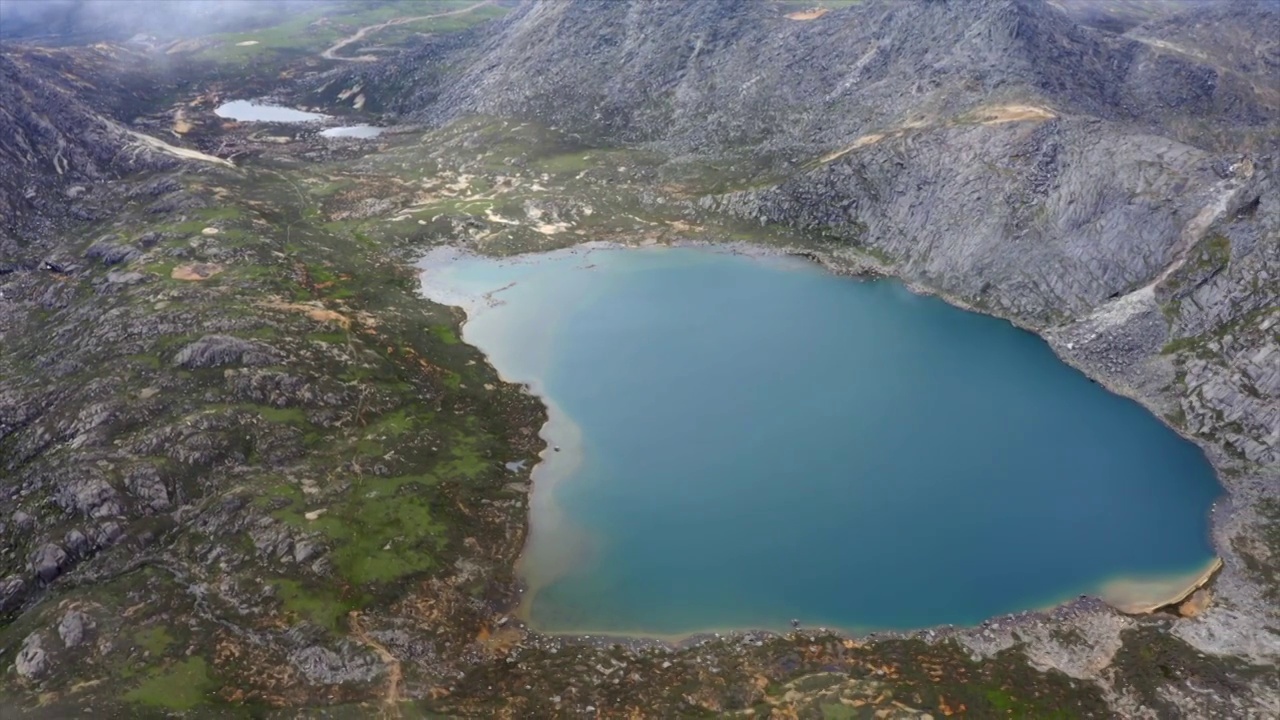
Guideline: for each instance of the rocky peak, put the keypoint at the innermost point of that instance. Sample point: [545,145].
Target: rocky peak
[710,76]
[55,130]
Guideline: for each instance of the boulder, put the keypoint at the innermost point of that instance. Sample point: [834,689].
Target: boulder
[146,484]
[11,592]
[217,350]
[77,543]
[87,493]
[322,666]
[32,661]
[125,278]
[73,627]
[48,562]
[111,253]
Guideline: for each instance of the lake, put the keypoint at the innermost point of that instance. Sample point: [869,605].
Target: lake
[736,441]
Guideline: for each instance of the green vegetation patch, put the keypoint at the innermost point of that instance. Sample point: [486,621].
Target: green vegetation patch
[314,30]
[1179,344]
[382,529]
[394,424]
[180,686]
[332,338]
[204,218]
[291,416]
[837,711]
[1215,250]
[468,461]
[566,163]
[322,606]
[445,334]
[154,640]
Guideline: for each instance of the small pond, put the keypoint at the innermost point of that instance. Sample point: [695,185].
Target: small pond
[256,111]
[362,132]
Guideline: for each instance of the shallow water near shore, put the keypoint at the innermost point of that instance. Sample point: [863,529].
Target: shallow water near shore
[255,111]
[359,132]
[746,440]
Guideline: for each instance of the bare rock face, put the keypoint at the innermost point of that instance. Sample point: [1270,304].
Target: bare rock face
[722,73]
[48,562]
[32,661]
[146,484]
[73,628]
[1036,220]
[88,494]
[53,138]
[218,350]
[323,666]
[11,592]
[998,150]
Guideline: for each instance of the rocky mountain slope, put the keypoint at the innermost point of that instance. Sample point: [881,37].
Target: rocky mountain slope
[59,134]
[938,133]
[724,74]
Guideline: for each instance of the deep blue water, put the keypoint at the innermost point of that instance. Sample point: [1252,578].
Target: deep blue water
[745,441]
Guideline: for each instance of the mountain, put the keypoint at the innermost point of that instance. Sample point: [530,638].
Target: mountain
[996,149]
[246,470]
[59,134]
[724,74]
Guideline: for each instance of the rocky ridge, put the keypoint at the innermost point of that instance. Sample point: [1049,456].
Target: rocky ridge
[59,136]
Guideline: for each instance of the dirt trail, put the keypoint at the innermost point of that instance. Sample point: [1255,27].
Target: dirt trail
[391,699]
[157,144]
[331,53]
[802,15]
[1014,113]
[993,115]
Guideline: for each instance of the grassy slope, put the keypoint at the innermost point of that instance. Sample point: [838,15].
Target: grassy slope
[309,33]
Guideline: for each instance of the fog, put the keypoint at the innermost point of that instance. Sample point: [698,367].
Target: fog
[115,19]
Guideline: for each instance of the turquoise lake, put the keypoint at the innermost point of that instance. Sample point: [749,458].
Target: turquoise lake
[745,440]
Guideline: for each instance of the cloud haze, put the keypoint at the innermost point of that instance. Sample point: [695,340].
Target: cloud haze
[124,18]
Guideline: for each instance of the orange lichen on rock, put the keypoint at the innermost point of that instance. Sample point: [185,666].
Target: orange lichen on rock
[314,311]
[196,272]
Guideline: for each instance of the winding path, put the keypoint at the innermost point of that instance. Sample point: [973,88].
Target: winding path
[331,53]
[395,674]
